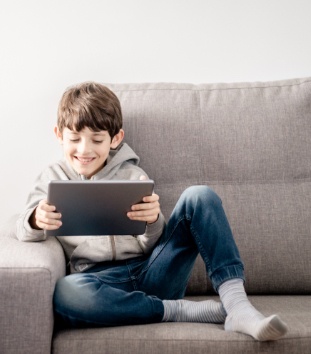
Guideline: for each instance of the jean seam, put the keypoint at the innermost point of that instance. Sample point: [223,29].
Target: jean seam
[202,251]
[114,282]
[132,279]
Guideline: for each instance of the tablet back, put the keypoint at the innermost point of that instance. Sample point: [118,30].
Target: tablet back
[97,207]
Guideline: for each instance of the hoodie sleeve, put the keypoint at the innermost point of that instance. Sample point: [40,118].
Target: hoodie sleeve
[24,231]
[56,171]
[153,232]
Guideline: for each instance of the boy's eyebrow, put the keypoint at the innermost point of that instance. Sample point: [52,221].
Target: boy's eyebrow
[95,133]
[100,133]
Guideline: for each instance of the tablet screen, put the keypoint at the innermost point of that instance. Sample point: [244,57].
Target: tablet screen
[97,207]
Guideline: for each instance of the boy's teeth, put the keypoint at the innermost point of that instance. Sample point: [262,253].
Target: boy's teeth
[84,160]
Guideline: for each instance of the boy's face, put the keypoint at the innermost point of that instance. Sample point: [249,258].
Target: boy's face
[87,151]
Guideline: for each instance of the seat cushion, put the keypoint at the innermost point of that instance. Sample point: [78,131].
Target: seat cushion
[199,338]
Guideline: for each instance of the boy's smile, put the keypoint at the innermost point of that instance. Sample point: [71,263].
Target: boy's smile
[87,151]
[84,161]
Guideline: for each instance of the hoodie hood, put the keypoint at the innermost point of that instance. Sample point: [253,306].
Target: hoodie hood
[117,158]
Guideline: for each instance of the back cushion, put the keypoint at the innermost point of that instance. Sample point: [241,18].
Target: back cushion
[251,143]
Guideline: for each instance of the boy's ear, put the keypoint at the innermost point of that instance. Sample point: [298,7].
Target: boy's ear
[116,140]
[58,134]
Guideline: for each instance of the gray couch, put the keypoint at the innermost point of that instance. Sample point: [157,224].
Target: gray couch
[251,142]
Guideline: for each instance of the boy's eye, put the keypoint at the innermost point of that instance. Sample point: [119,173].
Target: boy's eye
[98,141]
[74,140]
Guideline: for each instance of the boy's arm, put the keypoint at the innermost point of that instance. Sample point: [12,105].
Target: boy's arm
[150,212]
[24,226]
[24,230]
[153,232]
[43,217]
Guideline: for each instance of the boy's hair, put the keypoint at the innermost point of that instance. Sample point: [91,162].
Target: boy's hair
[91,105]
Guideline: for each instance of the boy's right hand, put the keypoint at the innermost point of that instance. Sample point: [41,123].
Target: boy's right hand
[44,217]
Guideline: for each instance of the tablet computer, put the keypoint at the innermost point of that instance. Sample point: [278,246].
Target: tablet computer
[97,207]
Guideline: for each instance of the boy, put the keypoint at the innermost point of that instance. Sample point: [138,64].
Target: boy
[119,280]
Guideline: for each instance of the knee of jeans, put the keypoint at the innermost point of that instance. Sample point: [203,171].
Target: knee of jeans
[202,193]
[65,293]
[62,291]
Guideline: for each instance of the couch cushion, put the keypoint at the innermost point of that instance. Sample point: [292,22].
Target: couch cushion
[251,143]
[189,338]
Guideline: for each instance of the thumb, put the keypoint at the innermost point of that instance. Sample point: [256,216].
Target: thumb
[143,178]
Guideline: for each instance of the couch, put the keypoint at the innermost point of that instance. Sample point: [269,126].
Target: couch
[251,143]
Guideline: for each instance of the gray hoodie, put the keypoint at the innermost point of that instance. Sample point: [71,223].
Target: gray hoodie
[84,252]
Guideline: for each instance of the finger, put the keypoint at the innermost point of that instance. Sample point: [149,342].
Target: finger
[49,226]
[44,215]
[145,206]
[44,226]
[48,208]
[143,178]
[140,216]
[43,205]
[143,214]
[151,198]
[154,198]
[48,221]
[147,218]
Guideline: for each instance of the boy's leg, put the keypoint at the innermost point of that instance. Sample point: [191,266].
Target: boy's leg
[198,222]
[119,294]
[103,298]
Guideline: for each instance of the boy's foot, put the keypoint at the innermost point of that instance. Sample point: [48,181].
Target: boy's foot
[192,311]
[259,327]
[244,318]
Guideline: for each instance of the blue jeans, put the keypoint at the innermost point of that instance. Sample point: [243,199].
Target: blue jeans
[131,291]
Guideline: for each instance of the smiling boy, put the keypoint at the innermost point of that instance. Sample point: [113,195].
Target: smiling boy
[87,139]
[119,280]
[87,151]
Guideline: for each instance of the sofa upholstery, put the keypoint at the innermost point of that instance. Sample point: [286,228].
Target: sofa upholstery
[251,143]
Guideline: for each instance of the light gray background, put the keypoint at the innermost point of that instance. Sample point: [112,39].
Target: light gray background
[46,46]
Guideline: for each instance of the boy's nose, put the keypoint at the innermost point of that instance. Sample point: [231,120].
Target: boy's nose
[84,147]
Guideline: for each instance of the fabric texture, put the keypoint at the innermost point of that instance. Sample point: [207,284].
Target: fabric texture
[189,338]
[250,142]
[28,273]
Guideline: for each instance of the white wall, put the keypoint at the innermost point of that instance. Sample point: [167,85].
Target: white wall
[46,46]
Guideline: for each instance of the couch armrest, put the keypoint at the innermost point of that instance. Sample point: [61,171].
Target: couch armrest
[28,273]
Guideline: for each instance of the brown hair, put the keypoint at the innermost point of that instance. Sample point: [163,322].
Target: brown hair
[89,105]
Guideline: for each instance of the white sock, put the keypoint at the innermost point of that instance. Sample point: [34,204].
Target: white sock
[243,317]
[208,311]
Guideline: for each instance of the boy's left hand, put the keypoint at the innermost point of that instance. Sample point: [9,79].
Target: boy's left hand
[147,211]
